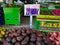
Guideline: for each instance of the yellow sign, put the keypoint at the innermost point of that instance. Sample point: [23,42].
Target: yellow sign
[48,16]
[54,25]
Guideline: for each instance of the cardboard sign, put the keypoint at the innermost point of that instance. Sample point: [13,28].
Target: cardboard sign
[31,9]
[53,25]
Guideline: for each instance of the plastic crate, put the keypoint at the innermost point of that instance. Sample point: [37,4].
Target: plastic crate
[12,16]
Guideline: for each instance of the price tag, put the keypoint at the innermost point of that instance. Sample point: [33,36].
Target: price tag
[31,9]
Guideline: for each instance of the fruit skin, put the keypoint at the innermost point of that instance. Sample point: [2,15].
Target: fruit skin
[38,43]
[26,36]
[14,40]
[0,39]
[39,39]
[55,37]
[33,39]
[31,43]
[2,32]
[20,38]
[56,12]
[8,39]
[25,41]
[17,43]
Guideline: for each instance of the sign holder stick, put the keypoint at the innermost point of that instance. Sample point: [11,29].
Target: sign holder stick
[31,20]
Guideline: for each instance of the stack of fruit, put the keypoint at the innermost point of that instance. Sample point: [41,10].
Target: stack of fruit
[25,36]
[55,37]
[2,33]
[56,12]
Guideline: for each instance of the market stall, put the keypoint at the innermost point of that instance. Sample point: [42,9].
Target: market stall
[17,27]
[48,19]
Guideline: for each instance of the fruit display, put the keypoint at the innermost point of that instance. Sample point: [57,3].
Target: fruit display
[56,12]
[55,37]
[2,33]
[25,36]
